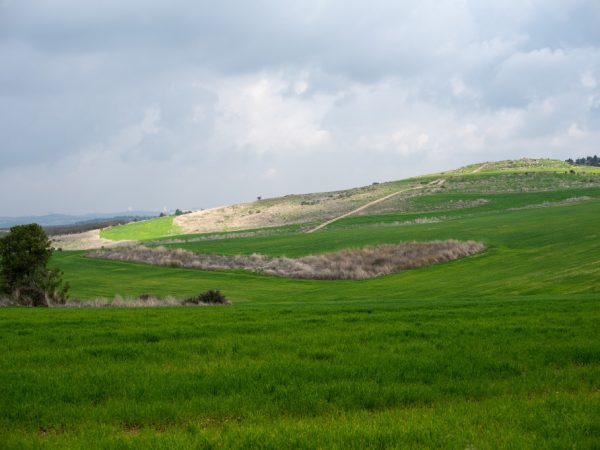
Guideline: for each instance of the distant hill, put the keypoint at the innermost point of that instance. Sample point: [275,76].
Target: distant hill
[51,220]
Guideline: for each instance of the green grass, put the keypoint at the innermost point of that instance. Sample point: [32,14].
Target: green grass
[521,166]
[441,205]
[140,231]
[497,350]
[491,373]
[267,231]
[531,251]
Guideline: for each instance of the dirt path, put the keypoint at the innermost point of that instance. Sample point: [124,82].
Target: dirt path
[481,167]
[437,182]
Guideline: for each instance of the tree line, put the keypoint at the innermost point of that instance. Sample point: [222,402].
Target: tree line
[586,161]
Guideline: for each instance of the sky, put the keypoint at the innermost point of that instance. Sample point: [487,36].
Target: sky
[146,105]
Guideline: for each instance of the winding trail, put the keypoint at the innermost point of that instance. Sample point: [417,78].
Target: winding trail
[437,182]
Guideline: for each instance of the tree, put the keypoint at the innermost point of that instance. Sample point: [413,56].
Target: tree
[24,275]
[587,161]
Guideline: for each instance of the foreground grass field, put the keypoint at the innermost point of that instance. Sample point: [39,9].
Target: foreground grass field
[497,350]
[452,373]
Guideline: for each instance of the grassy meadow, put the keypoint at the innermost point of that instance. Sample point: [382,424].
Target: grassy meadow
[496,350]
[143,230]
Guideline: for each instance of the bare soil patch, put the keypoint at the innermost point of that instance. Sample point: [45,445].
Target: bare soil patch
[85,241]
[290,209]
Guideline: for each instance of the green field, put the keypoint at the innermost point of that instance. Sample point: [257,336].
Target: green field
[497,350]
[144,230]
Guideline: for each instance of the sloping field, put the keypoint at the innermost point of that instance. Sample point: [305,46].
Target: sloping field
[537,250]
[311,210]
[495,350]
[146,229]
[291,209]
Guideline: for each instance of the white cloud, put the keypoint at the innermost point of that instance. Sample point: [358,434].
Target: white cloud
[588,80]
[267,114]
[575,131]
[132,136]
[265,98]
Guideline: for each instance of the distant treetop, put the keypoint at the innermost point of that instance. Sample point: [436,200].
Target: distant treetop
[587,161]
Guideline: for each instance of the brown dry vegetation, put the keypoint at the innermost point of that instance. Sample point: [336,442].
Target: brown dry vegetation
[567,201]
[406,204]
[291,209]
[116,302]
[396,223]
[300,209]
[345,264]
[84,241]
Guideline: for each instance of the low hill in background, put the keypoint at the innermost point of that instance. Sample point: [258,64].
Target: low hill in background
[524,175]
[55,220]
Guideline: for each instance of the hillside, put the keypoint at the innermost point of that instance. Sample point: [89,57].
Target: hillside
[308,210]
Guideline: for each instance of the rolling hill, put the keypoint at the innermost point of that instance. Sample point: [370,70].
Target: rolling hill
[495,350]
[405,196]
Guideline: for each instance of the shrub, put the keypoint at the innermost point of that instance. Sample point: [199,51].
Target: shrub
[210,297]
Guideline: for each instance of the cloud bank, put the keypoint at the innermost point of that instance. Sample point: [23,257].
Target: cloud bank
[195,104]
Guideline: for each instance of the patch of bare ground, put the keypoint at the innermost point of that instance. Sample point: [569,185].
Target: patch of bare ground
[291,209]
[87,240]
[568,201]
[348,264]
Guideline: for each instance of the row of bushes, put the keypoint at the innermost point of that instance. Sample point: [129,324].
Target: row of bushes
[346,264]
[30,297]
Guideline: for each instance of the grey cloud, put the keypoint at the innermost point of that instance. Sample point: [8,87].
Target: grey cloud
[272,95]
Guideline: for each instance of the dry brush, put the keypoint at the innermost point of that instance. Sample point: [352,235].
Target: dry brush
[348,264]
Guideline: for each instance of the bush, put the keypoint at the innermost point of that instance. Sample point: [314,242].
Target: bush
[208,298]
[25,277]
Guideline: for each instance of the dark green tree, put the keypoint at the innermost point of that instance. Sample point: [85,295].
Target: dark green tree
[24,274]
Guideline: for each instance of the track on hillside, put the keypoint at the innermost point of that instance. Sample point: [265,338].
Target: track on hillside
[437,182]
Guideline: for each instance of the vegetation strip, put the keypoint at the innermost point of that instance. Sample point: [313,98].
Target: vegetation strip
[568,201]
[143,301]
[349,264]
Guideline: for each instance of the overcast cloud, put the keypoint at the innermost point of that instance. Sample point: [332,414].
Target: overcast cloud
[152,104]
